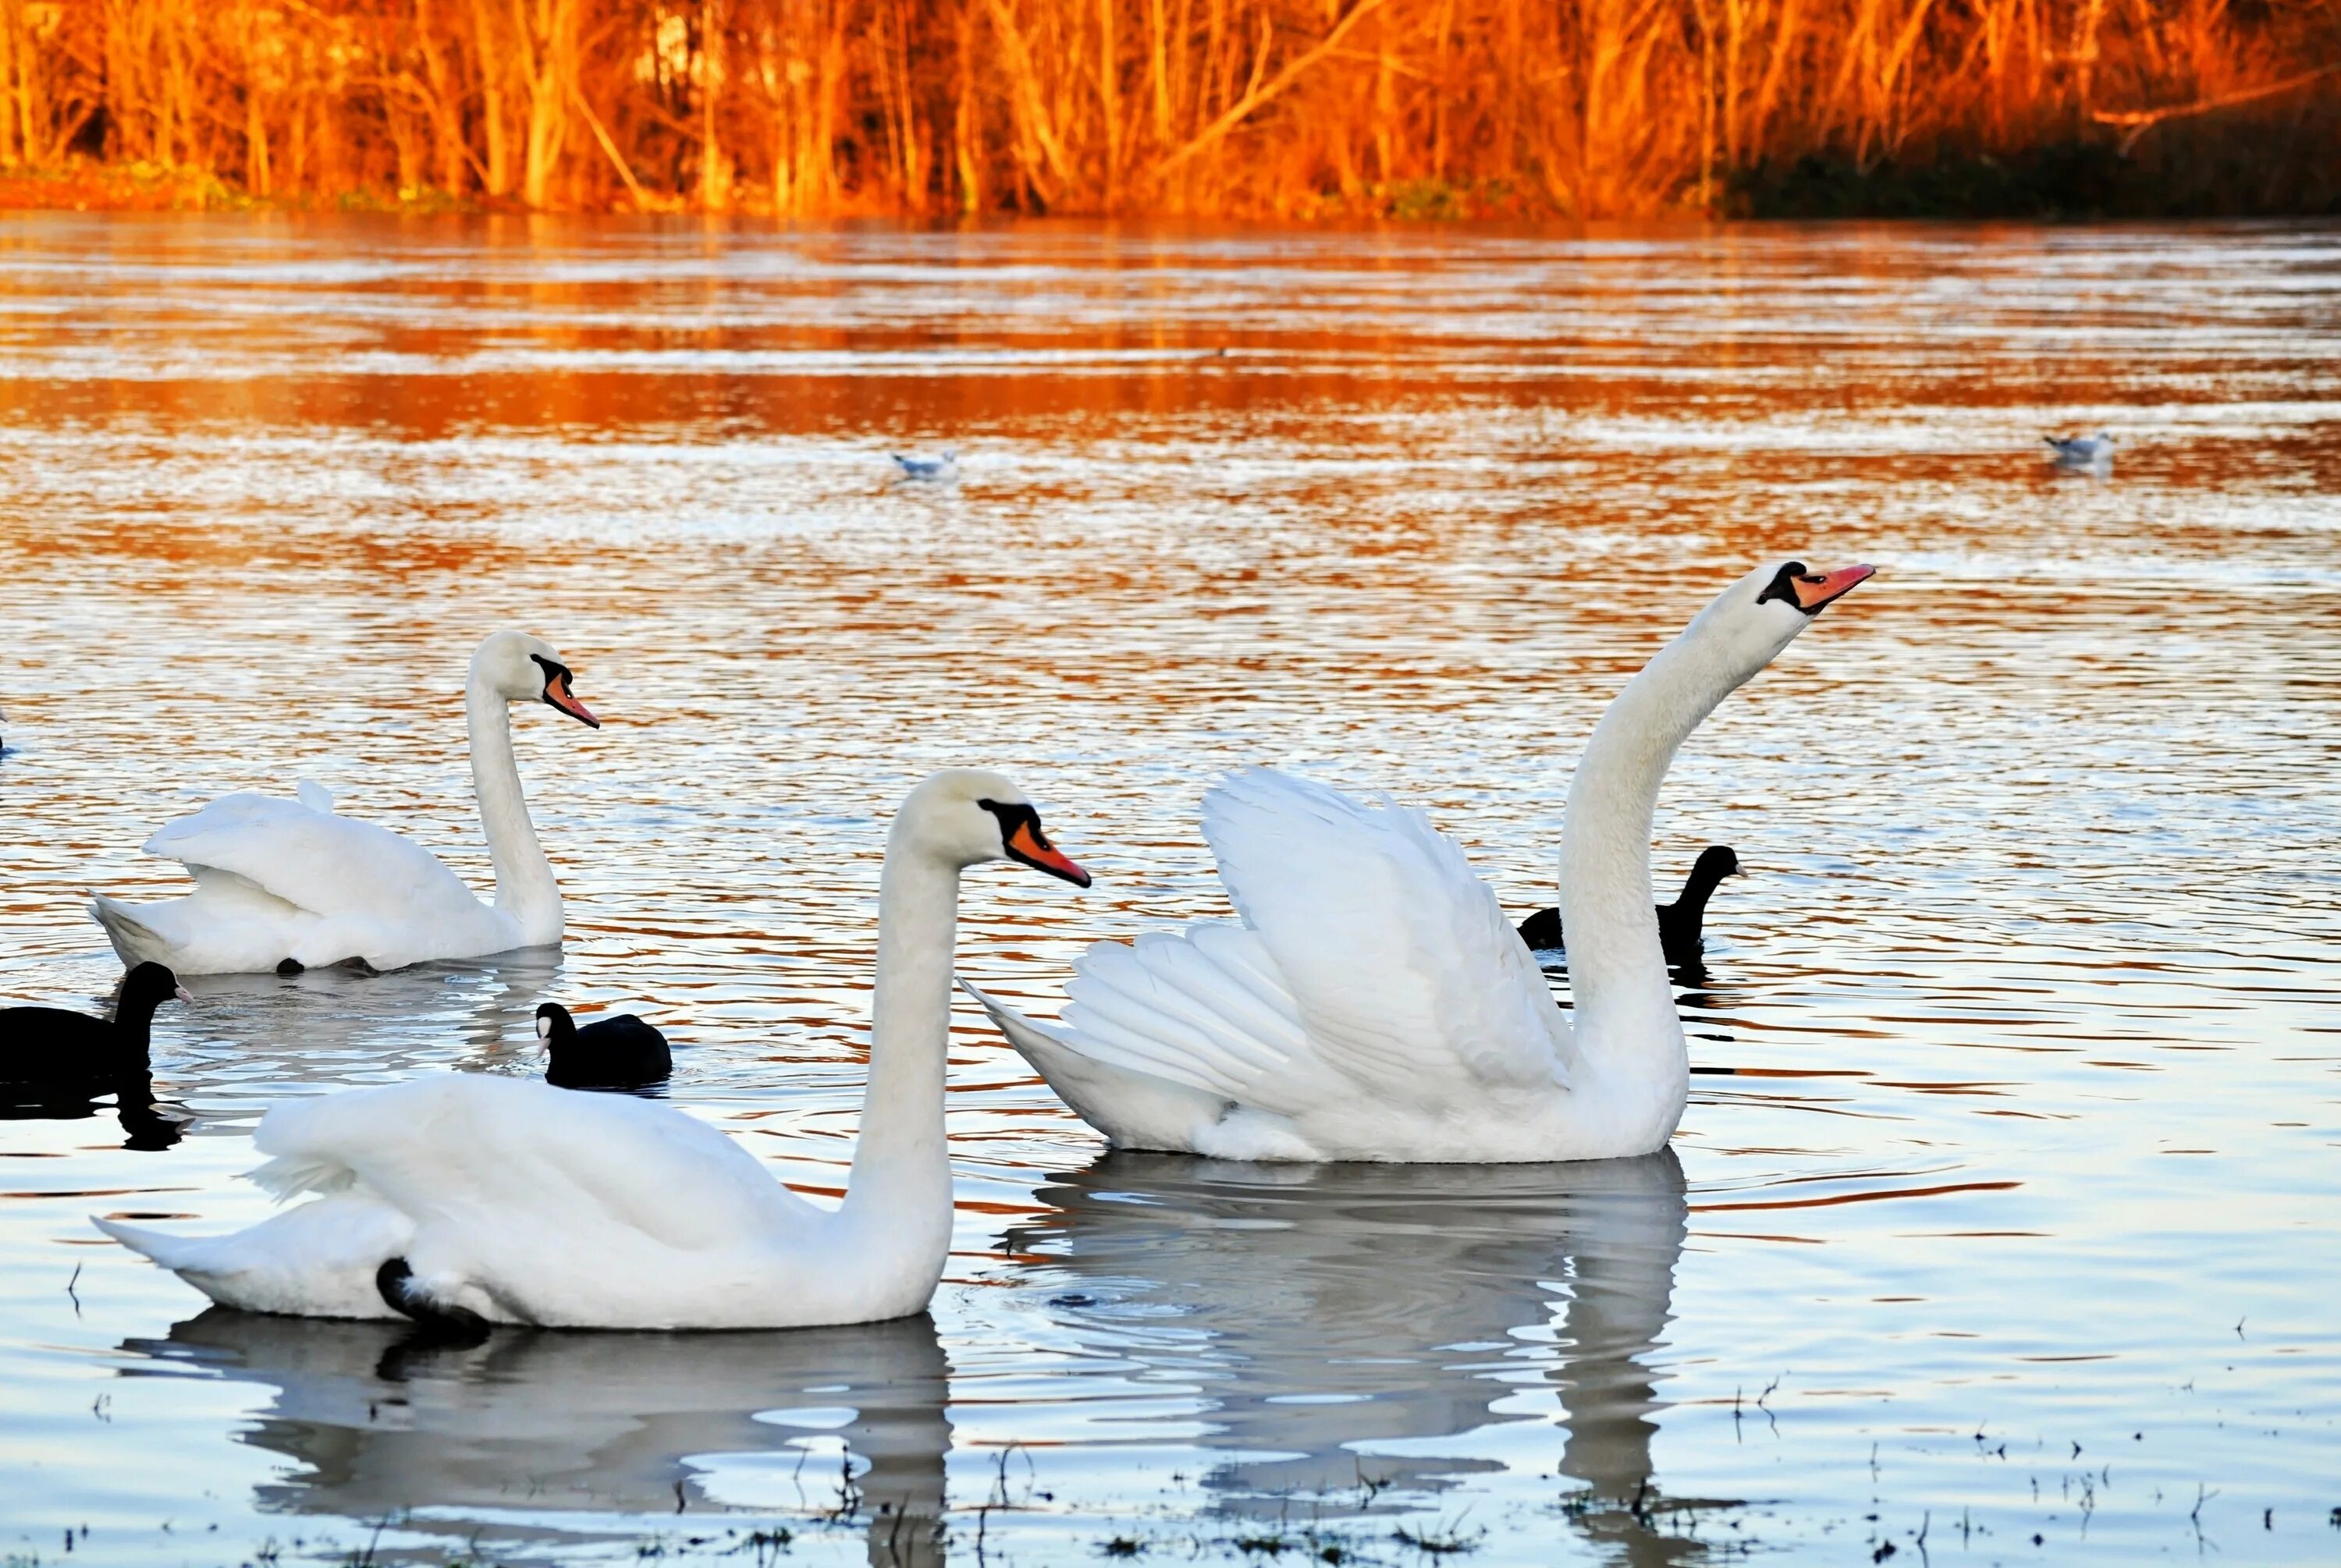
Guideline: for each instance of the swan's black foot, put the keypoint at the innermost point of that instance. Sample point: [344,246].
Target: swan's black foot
[419,1351]
[396,1280]
[290,966]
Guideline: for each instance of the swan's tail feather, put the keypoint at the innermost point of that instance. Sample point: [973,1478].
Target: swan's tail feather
[314,1260]
[1035,1043]
[173,1251]
[1133,1109]
[133,939]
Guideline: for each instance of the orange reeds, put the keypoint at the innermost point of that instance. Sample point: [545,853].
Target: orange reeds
[1294,108]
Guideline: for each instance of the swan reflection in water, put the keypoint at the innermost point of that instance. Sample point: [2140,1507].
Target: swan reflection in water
[325,1027]
[1338,1324]
[334,1026]
[503,1440]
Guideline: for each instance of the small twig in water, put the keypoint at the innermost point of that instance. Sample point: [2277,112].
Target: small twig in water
[70,1291]
[2194,1515]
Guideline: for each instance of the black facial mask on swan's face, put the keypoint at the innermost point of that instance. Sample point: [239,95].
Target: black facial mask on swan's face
[1021,840]
[1810,592]
[1783,587]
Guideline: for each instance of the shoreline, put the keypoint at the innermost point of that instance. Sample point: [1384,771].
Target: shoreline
[2059,183]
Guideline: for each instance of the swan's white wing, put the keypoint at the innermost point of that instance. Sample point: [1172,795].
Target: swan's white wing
[1403,967]
[317,861]
[504,1157]
[1204,1007]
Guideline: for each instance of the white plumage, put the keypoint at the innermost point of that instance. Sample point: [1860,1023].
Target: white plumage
[520,1202]
[1374,1003]
[1373,997]
[278,881]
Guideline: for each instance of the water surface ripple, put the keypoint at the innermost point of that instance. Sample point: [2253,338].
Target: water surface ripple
[2001,1225]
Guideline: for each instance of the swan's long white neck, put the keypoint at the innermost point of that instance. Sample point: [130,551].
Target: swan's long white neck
[901,1176]
[524,886]
[1625,1006]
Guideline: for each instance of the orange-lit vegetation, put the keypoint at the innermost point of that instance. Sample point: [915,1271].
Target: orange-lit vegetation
[1586,108]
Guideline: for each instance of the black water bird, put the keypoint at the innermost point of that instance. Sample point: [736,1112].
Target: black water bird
[1679,922]
[616,1053]
[51,1046]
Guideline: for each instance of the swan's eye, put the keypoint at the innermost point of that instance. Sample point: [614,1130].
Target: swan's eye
[1014,817]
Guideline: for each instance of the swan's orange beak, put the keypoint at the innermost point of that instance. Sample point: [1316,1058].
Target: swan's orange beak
[1026,844]
[557,692]
[1816,591]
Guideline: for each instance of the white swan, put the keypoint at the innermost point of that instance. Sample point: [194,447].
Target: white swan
[287,884]
[461,1198]
[1373,1003]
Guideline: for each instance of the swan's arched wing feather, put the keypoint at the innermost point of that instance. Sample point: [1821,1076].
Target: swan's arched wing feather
[1201,1008]
[317,861]
[1398,955]
[519,1155]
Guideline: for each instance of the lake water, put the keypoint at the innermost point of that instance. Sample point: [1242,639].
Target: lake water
[2002,1226]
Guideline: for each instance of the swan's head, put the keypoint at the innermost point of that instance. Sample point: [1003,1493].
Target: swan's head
[519,668]
[966,816]
[1762,612]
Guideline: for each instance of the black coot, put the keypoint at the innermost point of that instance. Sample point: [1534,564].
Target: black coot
[1679,922]
[614,1053]
[50,1046]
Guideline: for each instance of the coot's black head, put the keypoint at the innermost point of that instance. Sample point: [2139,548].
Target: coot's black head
[1717,860]
[147,987]
[554,1027]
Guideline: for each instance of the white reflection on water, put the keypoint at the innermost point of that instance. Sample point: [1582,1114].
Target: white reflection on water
[544,1424]
[2014,1209]
[1323,1322]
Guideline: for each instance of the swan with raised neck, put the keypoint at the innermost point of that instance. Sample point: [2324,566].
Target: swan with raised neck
[289,885]
[513,667]
[464,1199]
[1374,1003]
